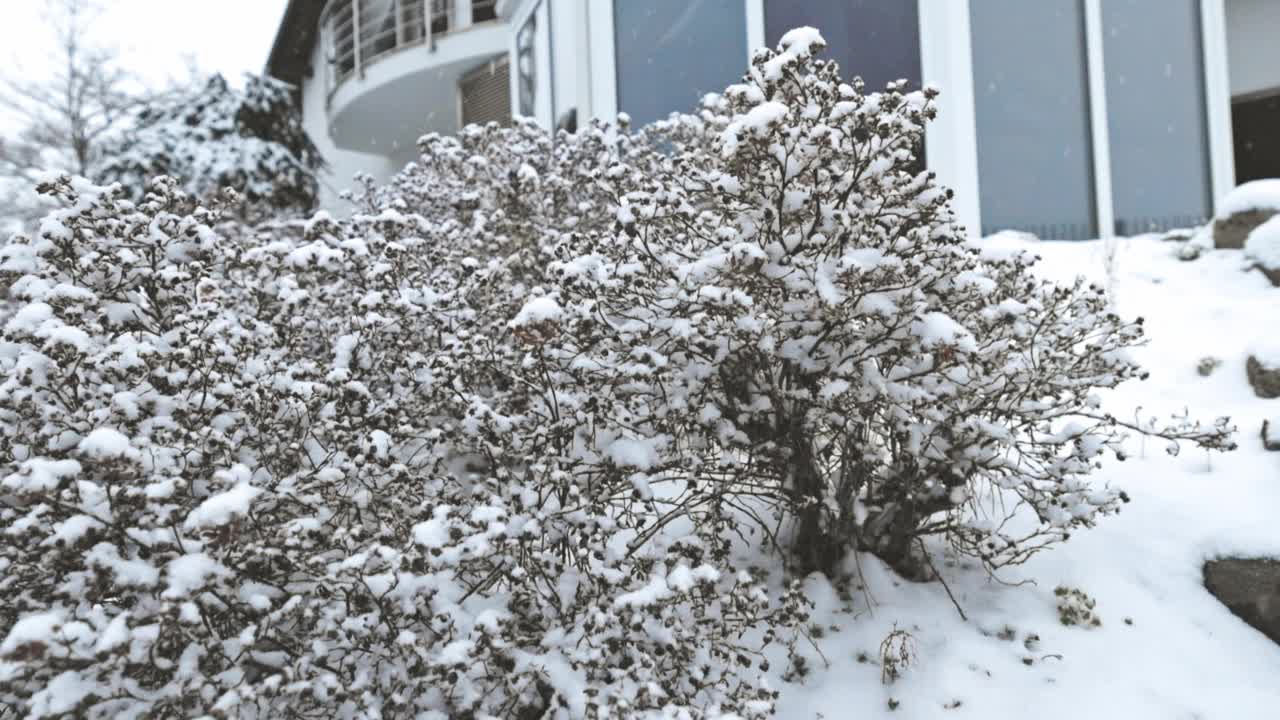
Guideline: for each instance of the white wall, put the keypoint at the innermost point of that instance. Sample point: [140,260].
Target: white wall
[1253,45]
[343,164]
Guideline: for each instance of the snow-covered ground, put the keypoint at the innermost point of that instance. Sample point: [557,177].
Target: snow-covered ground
[1166,649]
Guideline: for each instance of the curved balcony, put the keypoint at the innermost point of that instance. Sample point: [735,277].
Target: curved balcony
[394,66]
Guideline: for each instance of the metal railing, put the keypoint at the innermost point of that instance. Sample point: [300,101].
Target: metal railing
[358,32]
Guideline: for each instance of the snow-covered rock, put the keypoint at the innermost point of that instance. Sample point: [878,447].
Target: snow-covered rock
[1263,370]
[1255,195]
[1243,210]
[1263,248]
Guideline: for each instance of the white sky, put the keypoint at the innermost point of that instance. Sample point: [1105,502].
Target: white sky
[154,36]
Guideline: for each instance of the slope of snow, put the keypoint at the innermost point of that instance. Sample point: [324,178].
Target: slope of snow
[1166,648]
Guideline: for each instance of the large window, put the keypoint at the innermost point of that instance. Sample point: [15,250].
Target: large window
[672,52]
[1035,163]
[1156,114]
[877,40]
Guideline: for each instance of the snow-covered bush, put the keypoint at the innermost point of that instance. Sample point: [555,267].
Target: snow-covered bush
[498,445]
[216,136]
[232,488]
[772,317]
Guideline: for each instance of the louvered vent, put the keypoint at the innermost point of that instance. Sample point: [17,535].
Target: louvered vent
[486,94]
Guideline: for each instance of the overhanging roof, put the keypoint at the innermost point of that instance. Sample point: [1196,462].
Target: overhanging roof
[290,58]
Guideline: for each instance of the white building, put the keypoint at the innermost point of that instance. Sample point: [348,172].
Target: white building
[1068,118]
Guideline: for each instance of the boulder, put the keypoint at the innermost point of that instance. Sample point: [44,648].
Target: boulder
[1264,378]
[1250,588]
[1230,232]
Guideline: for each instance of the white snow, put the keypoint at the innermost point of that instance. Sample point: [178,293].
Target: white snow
[41,474]
[654,591]
[220,509]
[1255,195]
[106,443]
[189,573]
[763,116]
[1263,244]
[801,42]
[536,311]
[434,533]
[937,328]
[634,452]
[61,695]
[39,628]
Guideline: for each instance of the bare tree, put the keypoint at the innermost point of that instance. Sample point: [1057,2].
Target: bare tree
[63,114]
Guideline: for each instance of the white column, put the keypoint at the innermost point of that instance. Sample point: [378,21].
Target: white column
[946,59]
[513,51]
[1217,98]
[755,26]
[544,108]
[602,61]
[461,15]
[1104,199]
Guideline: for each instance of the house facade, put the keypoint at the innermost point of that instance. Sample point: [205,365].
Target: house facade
[1067,118]
[375,75]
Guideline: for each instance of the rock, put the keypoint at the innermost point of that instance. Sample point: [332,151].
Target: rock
[1265,379]
[1189,251]
[1178,235]
[1230,232]
[1263,248]
[1207,365]
[1271,434]
[1250,588]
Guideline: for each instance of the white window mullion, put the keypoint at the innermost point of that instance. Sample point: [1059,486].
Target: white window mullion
[1104,199]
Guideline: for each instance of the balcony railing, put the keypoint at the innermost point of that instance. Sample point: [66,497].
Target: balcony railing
[358,32]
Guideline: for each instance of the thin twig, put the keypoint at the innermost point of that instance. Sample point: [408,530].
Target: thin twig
[942,580]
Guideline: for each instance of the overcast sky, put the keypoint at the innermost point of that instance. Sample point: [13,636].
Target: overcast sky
[226,36]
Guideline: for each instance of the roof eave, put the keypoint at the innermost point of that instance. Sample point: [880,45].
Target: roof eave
[290,58]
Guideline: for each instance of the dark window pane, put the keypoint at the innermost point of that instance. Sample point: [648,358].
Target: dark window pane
[1255,122]
[1031,95]
[484,11]
[672,52]
[876,40]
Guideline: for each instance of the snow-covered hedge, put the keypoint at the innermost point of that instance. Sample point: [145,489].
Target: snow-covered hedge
[503,444]
[216,136]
